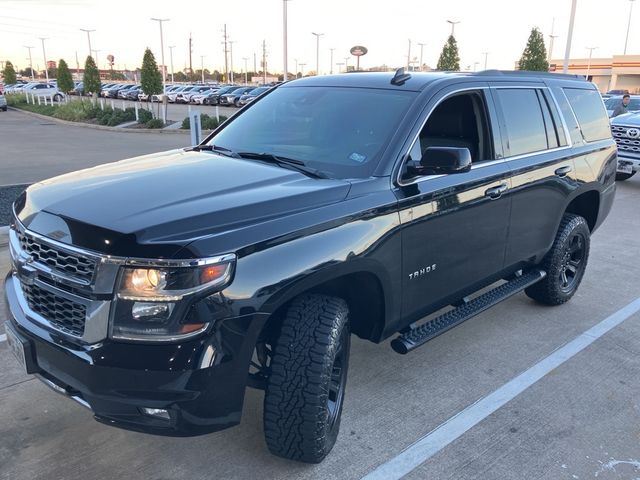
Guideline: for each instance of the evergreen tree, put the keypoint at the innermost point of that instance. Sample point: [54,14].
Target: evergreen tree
[9,73]
[534,56]
[91,77]
[65,82]
[150,76]
[449,58]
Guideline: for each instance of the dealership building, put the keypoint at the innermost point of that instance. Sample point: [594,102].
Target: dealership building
[622,72]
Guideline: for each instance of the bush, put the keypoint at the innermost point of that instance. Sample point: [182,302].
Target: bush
[154,123]
[112,117]
[207,122]
[144,115]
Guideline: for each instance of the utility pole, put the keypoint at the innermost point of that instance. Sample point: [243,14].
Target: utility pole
[190,54]
[202,67]
[171,47]
[44,55]
[421,50]
[284,39]
[231,58]
[302,69]
[486,55]
[246,59]
[264,62]
[97,52]
[567,51]
[626,40]
[552,37]
[225,38]
[318,35]
[331,68]
[31,61]
[77,64]
[453,25]
[164,67]
[409,57]
[591,49]
[88,37]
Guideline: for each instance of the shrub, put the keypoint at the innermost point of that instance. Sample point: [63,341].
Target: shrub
[207,122]
[154,123]
[144,115]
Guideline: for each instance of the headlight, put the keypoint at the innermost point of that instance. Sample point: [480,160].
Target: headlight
[153,298]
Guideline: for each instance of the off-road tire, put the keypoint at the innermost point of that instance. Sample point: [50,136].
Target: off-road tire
[300,421]
[570,250]
[620,177]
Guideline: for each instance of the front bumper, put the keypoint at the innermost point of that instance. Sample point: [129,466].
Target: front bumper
[200,382]
[628,160]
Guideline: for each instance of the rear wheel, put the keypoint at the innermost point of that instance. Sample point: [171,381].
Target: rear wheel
[305,392]
[57,97]
[624,176]
[565,263]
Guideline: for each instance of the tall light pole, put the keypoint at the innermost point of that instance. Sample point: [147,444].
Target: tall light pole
[486,55]
[626,40]
[296,72]
[453,25]
[171,47]
[340,64]
[231,42]
[318,35]
[44,55]
[567,51]
[202,67]
[591,49]
[164,68]
[409,57]
[302,69]
[30,62]
[284,40]
[475,66]
[88,37]
[97,52]
[246,59]
[552,37]
[331,68]
[421,50]
[346,64]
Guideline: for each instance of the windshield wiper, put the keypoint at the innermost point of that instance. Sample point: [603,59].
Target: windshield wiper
[214,148]
[298,165]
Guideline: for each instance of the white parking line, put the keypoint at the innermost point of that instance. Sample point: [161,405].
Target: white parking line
[3,338]
[456,426]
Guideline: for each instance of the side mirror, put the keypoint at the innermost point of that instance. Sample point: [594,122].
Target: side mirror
[442,161]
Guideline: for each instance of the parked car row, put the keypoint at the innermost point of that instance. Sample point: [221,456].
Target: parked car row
[37,89]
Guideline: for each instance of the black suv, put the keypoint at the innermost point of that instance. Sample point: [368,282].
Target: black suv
[155,290]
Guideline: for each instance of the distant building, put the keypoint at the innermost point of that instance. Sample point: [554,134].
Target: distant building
[622,72]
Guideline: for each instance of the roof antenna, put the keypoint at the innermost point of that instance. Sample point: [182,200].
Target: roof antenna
[400,77]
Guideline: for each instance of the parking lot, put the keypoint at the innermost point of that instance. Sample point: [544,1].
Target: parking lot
[580,420]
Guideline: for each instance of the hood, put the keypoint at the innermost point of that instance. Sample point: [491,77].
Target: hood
[632,119]
[171,197]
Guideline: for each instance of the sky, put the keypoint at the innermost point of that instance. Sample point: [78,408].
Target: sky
[124,29]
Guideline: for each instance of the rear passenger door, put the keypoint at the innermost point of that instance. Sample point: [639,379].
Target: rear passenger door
[538,154]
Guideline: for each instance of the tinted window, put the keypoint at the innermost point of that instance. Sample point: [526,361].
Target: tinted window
[526,130]
[587,105]
[341,131]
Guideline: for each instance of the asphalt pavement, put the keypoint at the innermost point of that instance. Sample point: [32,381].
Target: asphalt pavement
[581,419]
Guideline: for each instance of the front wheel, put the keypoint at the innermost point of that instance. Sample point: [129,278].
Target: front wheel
[305,392]
[620,177]
[565,263]
[57,98]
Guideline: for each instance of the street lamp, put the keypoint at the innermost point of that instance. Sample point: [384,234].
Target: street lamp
[591,49]
[202,67]
[331,68]
[421,50]
[44,55]
[486,55]
[318,35]
[246,59]
[97,52]
[339,64]
[409,57]
[284,39]
[164,77]
[626,40]
[475,66]
[567,51]
[231,42]
[296,60]
[552,37]
[171,47]
[88,37]
[30,62]
[302,69]
[453,25]
[346,64]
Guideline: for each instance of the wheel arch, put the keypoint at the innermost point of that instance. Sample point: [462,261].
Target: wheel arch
[586,203]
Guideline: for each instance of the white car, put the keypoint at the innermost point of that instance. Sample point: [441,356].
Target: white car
[171,96]
[198,98]
[43,90]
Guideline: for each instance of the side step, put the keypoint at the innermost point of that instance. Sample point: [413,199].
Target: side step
[420,335]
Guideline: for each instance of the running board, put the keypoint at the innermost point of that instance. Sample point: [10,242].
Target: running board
[420,335]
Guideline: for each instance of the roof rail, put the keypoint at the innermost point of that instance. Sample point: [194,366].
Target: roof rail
[529,73]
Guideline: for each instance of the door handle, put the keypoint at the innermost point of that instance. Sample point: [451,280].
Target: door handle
[563,171]
[496,192]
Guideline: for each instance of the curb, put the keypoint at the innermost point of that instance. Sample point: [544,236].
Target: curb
[101,127]
[4,236]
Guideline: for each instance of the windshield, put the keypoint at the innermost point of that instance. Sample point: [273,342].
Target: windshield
[612,103]
[340,131]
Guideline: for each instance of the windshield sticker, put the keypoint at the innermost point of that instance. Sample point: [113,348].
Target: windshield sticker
[357,157]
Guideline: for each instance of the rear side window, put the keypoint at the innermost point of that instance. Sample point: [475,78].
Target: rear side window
[526,129]
[587,106]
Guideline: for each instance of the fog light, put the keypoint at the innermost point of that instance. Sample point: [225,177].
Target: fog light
[156,412]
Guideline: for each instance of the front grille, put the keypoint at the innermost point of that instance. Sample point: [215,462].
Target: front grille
[625,143]
[65,315]
[56,259]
